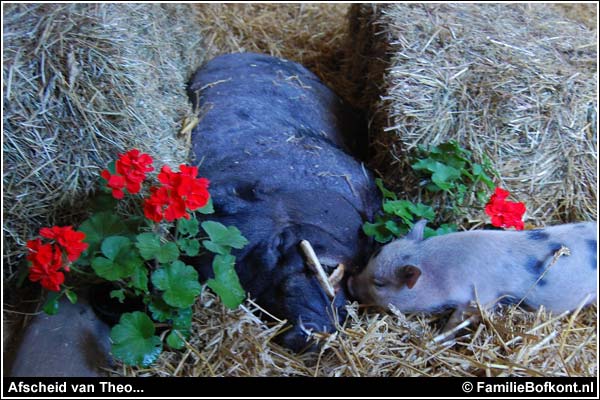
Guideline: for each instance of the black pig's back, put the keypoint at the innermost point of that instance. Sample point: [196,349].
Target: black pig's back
[272,141]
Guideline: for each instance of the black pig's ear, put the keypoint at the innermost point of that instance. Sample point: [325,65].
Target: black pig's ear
[416,232]
[408,275]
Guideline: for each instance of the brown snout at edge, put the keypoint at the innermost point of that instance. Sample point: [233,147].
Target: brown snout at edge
[350,285]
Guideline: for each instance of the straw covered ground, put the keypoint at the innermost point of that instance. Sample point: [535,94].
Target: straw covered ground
[361,55]
[509,342]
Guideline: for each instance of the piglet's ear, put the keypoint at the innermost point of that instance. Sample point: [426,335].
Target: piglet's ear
[409,275]
[416,232]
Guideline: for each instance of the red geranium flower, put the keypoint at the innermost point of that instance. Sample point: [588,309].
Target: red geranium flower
[180,191]
[71,241]
[39,253]
[505,213]
[153,205]
[194,190]
[47,259]
[46,262]
[176,209]
[131,169]
[115,182]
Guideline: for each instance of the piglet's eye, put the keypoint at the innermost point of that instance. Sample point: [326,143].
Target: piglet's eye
[378,283]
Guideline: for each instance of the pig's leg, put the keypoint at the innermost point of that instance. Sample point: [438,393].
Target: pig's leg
[457,321]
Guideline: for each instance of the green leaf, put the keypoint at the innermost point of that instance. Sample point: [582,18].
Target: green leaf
[446,228]
[118,294]
[428,232]
[182,321]
[167,253]
[139,278]
[221,235]
[96,228]
[175,340]
[179,283]
[442,230]
[443,175]
[112,168]
[445,162]
[453,155]
[488,181]
[124,265]
[378,231]
[421,210]
[160,310]
[432,187]
[133,340]
[72,296]
[426,164]
[51,304]
[395,229]
[387,194]
[189,227]
[226,282]
[482,197]
[129,262]
[399,208]
[216,248]
[477,169]
[150,247]
[208,208]
[113,245]
[191,247]
[148,244]
[105,268]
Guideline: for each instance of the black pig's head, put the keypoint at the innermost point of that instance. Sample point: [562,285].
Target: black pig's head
[272,267]
[310,311]
[285,287]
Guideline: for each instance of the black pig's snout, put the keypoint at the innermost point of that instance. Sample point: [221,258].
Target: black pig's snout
[310,311]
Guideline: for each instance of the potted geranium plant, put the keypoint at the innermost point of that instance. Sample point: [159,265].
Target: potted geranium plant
[135,248]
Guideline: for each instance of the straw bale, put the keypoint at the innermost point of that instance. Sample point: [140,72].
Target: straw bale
[584,13]
[82,83]
[513,82]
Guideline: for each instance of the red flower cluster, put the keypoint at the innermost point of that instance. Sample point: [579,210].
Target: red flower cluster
[505,213]
[47,259]
[180,191]
[131,170]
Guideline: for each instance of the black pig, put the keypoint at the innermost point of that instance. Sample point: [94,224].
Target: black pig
[273,140]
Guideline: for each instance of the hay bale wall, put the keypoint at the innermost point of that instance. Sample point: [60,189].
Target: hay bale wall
[81,84]
[514,82]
